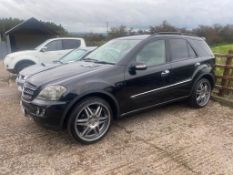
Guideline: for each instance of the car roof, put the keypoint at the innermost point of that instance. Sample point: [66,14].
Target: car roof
[136,37]
[159,35]
[177,36]
[64,38]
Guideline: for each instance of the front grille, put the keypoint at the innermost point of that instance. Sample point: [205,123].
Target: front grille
[29,91]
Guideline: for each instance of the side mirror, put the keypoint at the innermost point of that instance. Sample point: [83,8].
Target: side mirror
[137,66]
[43,49]
[140,66]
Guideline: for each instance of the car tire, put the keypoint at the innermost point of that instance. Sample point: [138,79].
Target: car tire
[22,65]
[90,120]
[201,93]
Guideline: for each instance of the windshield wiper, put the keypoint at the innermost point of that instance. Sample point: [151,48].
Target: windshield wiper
[95,61]
[58,61]
[103,62]
[88,59]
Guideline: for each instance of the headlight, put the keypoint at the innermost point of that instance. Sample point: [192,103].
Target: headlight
[52,92]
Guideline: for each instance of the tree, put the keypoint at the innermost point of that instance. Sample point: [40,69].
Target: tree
[164,27]
[7,23]
[117,32]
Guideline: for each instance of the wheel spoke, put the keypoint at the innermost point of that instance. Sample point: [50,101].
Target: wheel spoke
[97,130]
[98,111]
[103,118]
[198,92]
[82,122]
[198,98]
[88,111]
[86,131]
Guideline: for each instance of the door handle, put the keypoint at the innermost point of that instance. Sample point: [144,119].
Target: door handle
[165,73]
[197,64]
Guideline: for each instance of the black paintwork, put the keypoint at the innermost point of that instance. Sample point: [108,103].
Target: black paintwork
[126,90]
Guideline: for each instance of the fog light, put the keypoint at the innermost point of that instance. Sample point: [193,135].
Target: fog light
[40,112]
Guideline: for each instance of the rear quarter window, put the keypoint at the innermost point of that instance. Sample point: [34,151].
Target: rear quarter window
[201,47]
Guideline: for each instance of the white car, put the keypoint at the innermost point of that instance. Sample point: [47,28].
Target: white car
[47,52]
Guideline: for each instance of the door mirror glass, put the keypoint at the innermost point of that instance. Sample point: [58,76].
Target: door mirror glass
[137,66]
[140,66]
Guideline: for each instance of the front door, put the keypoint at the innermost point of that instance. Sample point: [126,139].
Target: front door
[145,88]
[53,51]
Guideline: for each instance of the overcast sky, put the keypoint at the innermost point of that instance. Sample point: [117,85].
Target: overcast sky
[92,15]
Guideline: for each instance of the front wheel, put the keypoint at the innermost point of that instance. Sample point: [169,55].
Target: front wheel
[90,120]
[201,93]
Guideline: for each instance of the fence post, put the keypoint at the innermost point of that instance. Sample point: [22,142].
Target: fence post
[226,73]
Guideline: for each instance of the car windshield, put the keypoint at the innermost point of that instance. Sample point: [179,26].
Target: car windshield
[39,47]
[112,52]
[74,55]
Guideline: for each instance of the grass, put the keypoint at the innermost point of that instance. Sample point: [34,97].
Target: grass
[222,48]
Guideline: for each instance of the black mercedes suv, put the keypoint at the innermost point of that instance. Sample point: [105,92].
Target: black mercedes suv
[123,76]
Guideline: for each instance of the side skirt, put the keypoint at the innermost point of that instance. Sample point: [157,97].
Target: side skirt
[152,106]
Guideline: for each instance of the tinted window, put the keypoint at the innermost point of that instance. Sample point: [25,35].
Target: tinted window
[153,53]
[178,49]
[70,44]
[201,47]
[54,45]
[192,54]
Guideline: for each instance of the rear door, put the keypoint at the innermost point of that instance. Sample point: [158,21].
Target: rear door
[183,64]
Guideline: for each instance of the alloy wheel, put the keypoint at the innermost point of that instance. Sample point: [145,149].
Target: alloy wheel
[93,121]
[203,93]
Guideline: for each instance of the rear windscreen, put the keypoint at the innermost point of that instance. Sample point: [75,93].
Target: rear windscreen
[201,48]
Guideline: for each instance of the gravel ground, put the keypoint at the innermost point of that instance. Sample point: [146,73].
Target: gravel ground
[173,139]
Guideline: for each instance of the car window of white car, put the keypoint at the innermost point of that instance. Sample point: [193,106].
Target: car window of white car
[54,45]
[53,51]
[70,44]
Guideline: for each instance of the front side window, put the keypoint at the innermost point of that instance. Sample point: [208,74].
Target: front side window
[70,44]
[178,49]
[113,51]
[54,45]
[153,53]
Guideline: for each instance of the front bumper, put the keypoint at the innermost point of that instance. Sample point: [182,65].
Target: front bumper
[48,114]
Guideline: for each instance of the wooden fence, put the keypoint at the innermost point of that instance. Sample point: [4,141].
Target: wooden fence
[223,91]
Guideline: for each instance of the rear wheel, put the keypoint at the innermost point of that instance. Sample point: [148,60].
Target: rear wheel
[22,65]
[90,120]
[201,93]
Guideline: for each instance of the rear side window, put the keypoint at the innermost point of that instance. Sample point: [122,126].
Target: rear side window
[178,49]
[54,45]
[192,54]
[70,44]
[201,47]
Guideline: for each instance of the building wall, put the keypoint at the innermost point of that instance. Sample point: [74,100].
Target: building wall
[24,41]
[3,49]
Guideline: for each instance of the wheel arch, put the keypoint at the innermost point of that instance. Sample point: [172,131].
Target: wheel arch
[208,76]
[104,95]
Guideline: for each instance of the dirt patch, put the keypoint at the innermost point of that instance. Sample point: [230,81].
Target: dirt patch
[173,139]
